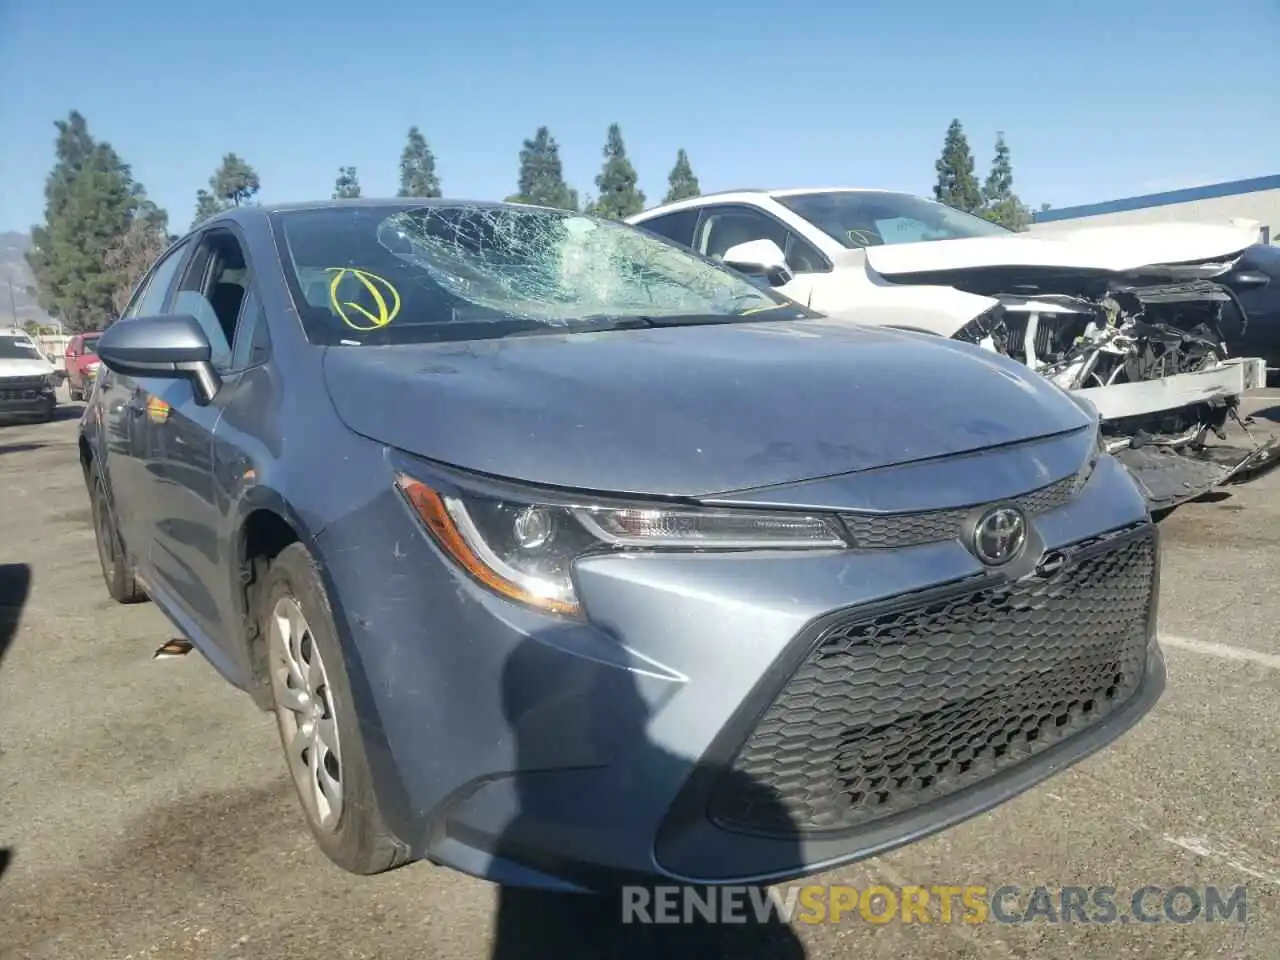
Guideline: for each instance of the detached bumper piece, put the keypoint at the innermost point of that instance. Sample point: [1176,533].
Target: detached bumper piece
[900,706]
[1169,477]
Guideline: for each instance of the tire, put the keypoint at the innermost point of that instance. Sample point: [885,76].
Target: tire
[75,395]
[312,696]
[116,571]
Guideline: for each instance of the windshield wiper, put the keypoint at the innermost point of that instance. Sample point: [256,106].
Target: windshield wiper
[677,320]
[598,323]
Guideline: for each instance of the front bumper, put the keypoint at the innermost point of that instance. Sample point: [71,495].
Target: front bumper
[28,397]
[698,726]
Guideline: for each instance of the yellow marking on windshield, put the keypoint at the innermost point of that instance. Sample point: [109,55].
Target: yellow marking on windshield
[770,306]
[379,288]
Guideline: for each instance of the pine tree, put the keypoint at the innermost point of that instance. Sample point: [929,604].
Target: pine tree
[233,184]
[618,196]
[541,179]
[957,186]
[91,205]
[999,203]
[418,168]
[207,206]
[347,185]
[681,182]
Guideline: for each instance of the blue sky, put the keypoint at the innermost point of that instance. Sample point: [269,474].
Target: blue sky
[1098,98]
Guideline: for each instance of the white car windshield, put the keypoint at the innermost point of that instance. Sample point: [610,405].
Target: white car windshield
[870,218]
[18,348]
[382,274]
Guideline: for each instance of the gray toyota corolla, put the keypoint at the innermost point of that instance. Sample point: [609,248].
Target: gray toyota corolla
[565,556]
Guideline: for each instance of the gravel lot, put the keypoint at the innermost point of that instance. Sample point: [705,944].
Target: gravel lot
[146,813]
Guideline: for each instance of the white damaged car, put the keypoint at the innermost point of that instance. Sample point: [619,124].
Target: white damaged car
[1135,318]
[27,378]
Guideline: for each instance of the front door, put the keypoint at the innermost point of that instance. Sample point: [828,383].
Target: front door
[192,554]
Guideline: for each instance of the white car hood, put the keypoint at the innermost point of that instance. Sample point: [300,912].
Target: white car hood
[1112,249]
[24,368]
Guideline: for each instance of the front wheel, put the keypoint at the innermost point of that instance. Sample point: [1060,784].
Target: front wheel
[316,719]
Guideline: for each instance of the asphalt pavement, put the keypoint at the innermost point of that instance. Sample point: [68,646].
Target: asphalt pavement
[145,810]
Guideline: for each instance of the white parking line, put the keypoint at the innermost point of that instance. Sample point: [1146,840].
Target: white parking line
[1241,858]
[1225,651]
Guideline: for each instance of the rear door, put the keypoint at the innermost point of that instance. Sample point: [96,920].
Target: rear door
[120,406]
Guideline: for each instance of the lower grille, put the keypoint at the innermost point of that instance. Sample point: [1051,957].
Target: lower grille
[900,705]
[21,388]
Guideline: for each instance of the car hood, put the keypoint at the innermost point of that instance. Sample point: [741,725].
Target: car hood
[24,368]
[692,411]
[1117,249]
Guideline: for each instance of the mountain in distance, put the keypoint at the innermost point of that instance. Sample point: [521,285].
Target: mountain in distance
[16,276]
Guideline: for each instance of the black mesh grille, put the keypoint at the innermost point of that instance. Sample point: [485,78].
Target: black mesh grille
[901,705]
[20,388]
[895,530]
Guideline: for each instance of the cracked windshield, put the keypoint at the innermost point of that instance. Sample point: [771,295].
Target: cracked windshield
[384,274]
[674,481]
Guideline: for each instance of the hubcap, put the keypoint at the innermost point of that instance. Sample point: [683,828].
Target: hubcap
[304,710]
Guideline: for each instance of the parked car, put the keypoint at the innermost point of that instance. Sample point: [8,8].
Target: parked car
[1138,320]
[1254,277]
[26,378]
[81,363]
[562,554]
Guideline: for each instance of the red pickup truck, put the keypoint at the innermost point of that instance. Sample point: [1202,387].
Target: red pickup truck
[81,364]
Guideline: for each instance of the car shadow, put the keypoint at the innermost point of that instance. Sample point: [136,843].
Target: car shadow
[534,923]
[15,587]
[1267,413]
[20,447]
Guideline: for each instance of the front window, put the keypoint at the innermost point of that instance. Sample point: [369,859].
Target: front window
[18,348]
[867,218]
[90,346]
[444,272]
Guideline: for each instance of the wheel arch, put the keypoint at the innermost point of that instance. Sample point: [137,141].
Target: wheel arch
[266,525]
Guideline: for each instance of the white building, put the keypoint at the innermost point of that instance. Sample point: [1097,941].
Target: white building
[1253,203]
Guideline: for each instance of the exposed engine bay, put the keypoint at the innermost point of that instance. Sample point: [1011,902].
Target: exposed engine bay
[1118,339]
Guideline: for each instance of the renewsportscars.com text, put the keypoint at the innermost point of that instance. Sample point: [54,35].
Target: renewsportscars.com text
[970,904]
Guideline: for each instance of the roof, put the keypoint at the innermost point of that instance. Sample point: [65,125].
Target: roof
[722,195]
[1232,188]
[345,204]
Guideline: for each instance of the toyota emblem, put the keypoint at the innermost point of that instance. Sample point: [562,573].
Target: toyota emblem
[999,535]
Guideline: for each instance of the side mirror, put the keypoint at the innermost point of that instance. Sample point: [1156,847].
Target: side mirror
[760,257]
[170,347]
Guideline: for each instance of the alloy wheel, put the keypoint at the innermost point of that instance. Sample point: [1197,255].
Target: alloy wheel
[304,711]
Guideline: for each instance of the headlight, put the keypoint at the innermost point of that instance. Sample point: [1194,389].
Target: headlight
[525,549]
